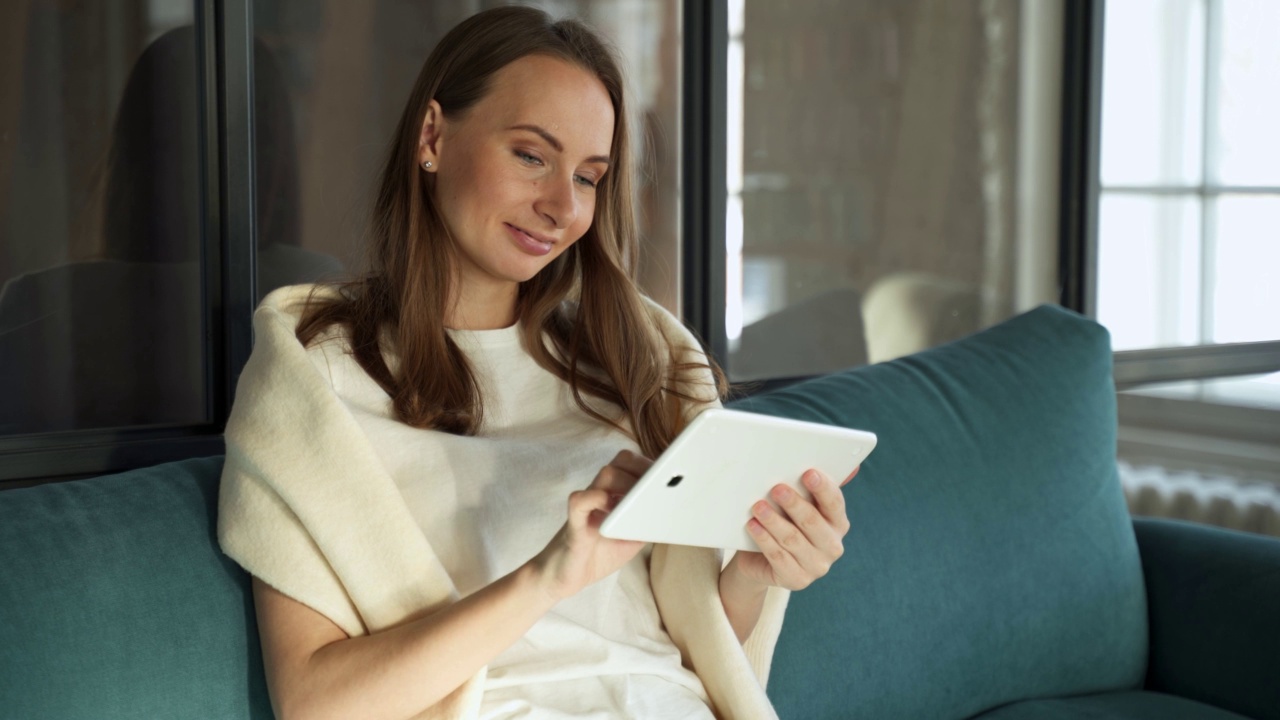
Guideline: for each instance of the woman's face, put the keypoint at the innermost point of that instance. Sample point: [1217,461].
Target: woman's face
[516,175]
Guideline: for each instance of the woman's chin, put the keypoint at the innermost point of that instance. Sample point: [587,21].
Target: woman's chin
[527,272]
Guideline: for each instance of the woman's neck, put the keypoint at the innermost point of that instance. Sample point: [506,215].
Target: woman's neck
[488,308]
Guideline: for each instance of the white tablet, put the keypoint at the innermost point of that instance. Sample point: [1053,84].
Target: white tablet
[700,491]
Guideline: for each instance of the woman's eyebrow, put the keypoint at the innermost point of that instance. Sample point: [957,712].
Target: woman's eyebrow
[555,143]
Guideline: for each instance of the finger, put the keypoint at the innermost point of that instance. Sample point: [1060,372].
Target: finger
[852,475]
[622,471]
[614,479]
[816,527]
[829,499]
[786,571]
[631,462]
[783,531]
[813,560]
[582,503]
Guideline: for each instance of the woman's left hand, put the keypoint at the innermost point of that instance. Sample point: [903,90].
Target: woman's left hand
[799,544]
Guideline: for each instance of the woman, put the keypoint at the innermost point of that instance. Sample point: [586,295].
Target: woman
[418,460]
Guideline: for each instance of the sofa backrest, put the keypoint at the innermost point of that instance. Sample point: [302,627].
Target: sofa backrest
[115,602]
[991,556]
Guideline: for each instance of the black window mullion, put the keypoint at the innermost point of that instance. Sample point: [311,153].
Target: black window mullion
[1081,123]
[209,119]
[238,231]
[704,95]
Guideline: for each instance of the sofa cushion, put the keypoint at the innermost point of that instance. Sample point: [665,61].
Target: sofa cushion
[115,601]
[1134,705]
[991,557]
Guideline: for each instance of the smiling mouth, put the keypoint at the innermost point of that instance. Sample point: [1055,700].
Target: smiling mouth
[532,244]
[533,236]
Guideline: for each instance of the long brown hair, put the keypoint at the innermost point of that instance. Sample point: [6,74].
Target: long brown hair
[604,343]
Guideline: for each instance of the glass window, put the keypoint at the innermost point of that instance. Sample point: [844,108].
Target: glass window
[1187,252]
[332,78]
[1190,190]
[1246,269]
[1153,101]
[877,155]
[101,302]
[1246,113]
[1149,270]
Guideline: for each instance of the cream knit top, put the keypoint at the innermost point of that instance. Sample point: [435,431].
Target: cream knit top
[323,498]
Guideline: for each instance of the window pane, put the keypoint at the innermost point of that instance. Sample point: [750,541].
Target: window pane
[101,309]
[880,176]
[333,77]
[1153,92]
[1149,270]
[1246,269]
[1247,112]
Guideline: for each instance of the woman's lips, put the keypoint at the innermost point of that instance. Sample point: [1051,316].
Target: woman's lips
[527,242]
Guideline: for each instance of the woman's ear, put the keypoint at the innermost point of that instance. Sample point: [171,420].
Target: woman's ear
[429,139]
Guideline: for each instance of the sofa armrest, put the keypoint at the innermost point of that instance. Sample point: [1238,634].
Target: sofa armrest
[1213,603]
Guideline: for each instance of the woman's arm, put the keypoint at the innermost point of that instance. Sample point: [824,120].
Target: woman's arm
[797,546]
[314,670]
[743,599]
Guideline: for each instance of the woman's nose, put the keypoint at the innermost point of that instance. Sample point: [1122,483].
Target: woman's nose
[557,202]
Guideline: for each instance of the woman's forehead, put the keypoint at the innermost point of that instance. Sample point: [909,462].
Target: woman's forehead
[561,98]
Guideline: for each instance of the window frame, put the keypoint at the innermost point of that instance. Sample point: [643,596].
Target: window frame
[1136,368]
[228,234]
[1180,433]
[228,240]
[703,274]
[1204,361]
[1081,122]
[704,195]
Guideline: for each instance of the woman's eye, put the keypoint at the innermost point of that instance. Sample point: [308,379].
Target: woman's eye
[585,182]
[527,158]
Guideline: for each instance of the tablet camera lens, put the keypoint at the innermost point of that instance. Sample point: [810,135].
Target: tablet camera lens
[675,481]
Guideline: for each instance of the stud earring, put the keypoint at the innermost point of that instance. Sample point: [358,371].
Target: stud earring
[426,164]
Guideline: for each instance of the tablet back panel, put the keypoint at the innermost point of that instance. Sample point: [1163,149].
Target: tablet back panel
[700,491]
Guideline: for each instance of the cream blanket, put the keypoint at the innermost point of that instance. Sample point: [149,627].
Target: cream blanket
[306,506]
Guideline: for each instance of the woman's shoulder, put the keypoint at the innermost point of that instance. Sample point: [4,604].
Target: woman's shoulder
[290,302]
[278,316]
[678,335]
[669,327]
[282,310]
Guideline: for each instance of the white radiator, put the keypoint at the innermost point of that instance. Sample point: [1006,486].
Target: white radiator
[1251,506]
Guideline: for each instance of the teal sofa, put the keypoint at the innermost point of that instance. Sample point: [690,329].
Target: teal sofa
[992,570]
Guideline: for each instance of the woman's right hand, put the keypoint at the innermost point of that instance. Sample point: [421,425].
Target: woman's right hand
[578,555]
